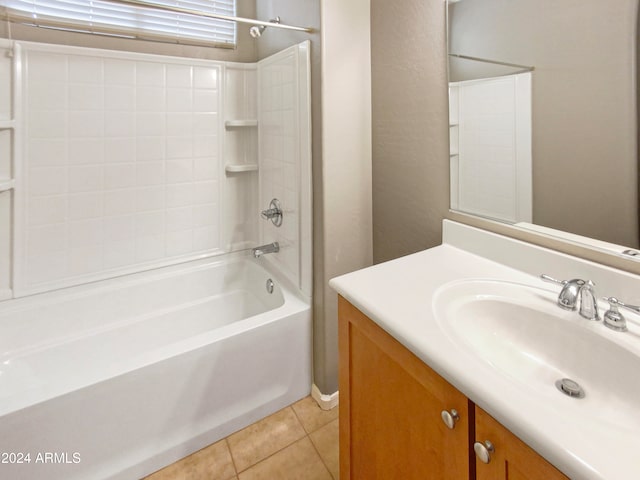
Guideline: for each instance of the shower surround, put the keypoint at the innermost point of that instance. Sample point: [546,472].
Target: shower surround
[128,183]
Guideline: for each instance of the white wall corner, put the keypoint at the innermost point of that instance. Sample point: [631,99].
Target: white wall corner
[325,402]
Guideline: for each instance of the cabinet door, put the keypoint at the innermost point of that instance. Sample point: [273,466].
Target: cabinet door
[511,459]
[390,410]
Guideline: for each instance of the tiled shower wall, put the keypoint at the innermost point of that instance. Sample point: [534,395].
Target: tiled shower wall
[491,171]
[241,212]
[124,162]
[121,164]
[7,147]
[285,158]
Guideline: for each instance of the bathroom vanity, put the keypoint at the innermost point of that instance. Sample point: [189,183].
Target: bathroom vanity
[449,360]
[400,419]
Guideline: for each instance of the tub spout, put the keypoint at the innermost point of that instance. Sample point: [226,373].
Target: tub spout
[263,249]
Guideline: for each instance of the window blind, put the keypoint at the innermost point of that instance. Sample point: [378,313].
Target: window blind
[104,17]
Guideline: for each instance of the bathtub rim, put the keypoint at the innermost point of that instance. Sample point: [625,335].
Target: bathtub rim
[133,278]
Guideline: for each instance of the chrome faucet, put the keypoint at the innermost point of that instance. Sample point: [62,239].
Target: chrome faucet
[577,291]
[263,249]
[273,213]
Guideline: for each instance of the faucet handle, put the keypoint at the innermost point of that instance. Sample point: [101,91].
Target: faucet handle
[549,279]
[633,308]
[273,213]
[613,318]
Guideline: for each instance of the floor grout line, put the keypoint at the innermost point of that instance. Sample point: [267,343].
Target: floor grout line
[274,453]
[233,461]
[306,435]
[320,455]
[302,423]
[298,418]
[311,440]
[238,472]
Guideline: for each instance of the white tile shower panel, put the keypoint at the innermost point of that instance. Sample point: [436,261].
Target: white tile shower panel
[6,82]
[121,164]
[494,140]
[281,159]
[7,165]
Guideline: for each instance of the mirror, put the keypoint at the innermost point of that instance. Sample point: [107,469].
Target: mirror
[543,115]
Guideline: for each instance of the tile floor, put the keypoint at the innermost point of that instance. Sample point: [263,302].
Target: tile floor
[299,442]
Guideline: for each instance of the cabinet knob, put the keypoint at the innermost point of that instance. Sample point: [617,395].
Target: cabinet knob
[484,450]
[450,417]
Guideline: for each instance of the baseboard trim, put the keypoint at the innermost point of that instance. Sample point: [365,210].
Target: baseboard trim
[325,402]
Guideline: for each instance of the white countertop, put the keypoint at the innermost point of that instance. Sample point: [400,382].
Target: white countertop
[397,295]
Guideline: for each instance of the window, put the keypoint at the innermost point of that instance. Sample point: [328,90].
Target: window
[113,18]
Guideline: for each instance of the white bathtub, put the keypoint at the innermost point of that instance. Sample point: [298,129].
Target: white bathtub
[119,378]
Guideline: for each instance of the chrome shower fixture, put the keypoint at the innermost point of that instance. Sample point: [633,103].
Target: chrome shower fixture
[256,30]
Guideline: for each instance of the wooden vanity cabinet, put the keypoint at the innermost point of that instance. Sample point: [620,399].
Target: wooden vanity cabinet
[391,424]
[390,409]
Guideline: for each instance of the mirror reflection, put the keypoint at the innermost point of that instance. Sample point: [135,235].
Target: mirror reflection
[543,122]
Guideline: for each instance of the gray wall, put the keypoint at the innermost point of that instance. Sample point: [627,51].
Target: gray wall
[584,104]
[410,126]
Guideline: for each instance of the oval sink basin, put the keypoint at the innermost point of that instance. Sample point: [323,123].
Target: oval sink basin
[521,333]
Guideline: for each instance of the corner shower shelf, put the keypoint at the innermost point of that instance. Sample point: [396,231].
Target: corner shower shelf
[6,185]
[240,123]
[249,167]
[6,124]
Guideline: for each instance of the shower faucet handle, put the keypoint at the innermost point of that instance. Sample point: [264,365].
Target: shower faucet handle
[273,213]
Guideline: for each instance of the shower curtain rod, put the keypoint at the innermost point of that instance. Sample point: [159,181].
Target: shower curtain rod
[250,21]
[526,68]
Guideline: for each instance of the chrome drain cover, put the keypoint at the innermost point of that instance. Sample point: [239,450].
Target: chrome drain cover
[570,387]
[270,286]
